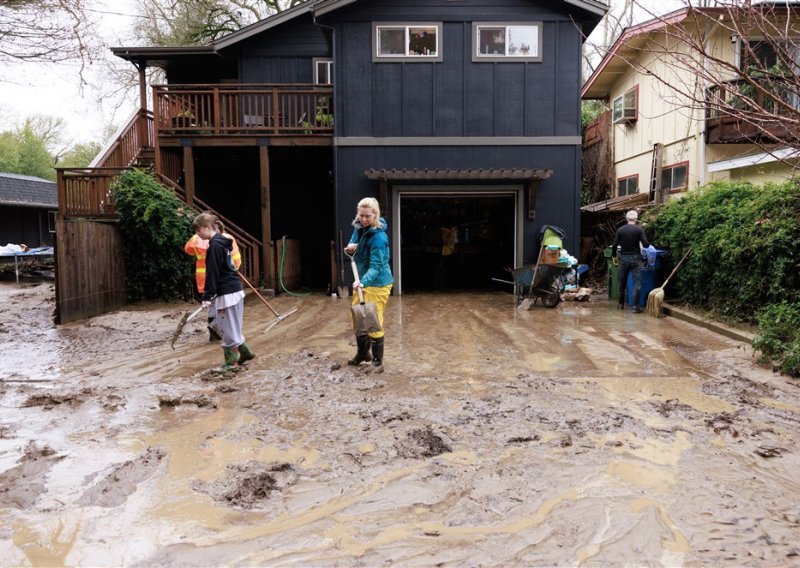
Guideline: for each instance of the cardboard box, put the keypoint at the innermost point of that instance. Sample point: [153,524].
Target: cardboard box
[547,256]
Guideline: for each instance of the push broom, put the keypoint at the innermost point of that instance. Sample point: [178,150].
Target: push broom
[656,296]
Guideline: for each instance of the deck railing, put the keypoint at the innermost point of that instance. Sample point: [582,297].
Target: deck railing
[243,109]
[737,111]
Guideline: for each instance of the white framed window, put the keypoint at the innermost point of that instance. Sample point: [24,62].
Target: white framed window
[625,108]
[496,41]
[675,177]
[628,185]
[323,71]
[406,42]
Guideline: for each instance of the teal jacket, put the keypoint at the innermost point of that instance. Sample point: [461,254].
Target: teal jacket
[372,255]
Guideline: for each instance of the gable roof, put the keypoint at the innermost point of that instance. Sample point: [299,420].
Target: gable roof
[615,61]
[593,11]
[632,38]
[27,191]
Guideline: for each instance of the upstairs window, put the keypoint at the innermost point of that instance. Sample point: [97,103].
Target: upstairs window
[413,42]
[494,41]
[323,71]
[628,185]
[625,108]
[675,177]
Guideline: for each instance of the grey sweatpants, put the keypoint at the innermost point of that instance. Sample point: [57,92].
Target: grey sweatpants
[229,321]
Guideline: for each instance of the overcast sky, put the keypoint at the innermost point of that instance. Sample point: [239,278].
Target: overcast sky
[55,90]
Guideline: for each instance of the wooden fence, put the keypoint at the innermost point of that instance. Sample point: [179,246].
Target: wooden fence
[90,275]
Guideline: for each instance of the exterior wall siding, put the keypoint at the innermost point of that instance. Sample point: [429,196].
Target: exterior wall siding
[28,225]
[557,198]
[460,98]
[457,97]
[283,55]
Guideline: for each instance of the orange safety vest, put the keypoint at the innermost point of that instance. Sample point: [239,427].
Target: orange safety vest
[198,248]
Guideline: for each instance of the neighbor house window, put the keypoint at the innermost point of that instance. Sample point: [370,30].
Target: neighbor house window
[51,221]
[625,107]
[413,42]
[675,177]
[628,185]
[323,71]
[493,41]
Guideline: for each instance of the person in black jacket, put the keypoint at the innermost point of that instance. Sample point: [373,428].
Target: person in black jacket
[223,288]
[628,238]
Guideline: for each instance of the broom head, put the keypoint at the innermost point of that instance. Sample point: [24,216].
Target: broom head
[654,300]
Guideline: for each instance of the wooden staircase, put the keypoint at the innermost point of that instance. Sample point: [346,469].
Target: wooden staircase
[85,193]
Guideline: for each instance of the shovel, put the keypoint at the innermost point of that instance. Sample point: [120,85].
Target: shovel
[365,316]
[187,317]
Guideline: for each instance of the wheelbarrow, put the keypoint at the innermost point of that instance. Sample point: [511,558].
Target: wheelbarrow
[536,281]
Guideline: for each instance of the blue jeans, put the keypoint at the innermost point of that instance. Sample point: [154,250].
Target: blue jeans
[630,263]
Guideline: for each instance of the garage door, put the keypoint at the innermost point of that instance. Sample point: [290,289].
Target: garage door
[454,239]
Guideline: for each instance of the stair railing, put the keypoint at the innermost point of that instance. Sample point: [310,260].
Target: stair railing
[249,246]
[126,144]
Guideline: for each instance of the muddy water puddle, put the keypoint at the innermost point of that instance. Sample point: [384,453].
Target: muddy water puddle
[578,435]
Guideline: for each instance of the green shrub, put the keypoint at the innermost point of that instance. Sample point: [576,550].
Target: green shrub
[778,337]
[155,225]
[745,247]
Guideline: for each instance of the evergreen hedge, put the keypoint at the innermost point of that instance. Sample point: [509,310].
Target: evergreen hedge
[155,225]
[745,257]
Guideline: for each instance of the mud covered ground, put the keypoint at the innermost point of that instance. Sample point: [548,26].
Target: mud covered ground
[575,436]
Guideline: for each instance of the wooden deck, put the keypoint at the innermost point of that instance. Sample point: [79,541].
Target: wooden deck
[739,113]
[243,110]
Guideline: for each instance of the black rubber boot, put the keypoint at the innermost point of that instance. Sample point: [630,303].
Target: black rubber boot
[636,308]
[362,355]
[245,354]
[213,335]
[377,355]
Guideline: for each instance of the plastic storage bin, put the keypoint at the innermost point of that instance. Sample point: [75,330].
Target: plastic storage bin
[651,278]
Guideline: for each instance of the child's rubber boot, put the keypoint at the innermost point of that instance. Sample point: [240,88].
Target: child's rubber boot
[231,357]
[245,354]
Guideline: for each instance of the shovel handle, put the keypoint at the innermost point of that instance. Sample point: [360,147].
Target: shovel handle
[355,275]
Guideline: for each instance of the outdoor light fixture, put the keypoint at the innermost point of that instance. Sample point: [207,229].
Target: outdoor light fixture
[734,38]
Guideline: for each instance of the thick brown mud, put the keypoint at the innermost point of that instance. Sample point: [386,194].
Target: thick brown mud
[578,435]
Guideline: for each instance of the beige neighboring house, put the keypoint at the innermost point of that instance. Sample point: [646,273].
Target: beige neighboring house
[657,127]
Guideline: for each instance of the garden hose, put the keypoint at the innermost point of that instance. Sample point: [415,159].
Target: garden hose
[280,273]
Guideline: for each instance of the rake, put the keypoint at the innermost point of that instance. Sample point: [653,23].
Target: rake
[278,317]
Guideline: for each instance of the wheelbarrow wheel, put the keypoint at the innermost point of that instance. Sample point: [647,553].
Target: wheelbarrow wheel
[552,297]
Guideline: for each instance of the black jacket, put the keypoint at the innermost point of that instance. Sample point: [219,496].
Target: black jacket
[221,276]
[628,238]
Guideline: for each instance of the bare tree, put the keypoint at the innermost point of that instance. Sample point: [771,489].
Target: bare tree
[177,22]
[45,31]
[757,90]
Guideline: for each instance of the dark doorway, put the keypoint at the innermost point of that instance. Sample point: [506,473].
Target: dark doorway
[456,242]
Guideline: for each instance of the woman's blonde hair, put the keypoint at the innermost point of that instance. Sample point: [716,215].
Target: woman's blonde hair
[373,204]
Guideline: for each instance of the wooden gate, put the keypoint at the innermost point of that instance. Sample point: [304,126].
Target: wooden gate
[90,274]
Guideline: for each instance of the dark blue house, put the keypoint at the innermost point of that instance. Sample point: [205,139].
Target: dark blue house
[461,116]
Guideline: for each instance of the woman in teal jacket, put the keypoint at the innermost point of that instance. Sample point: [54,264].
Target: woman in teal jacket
[370,243]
